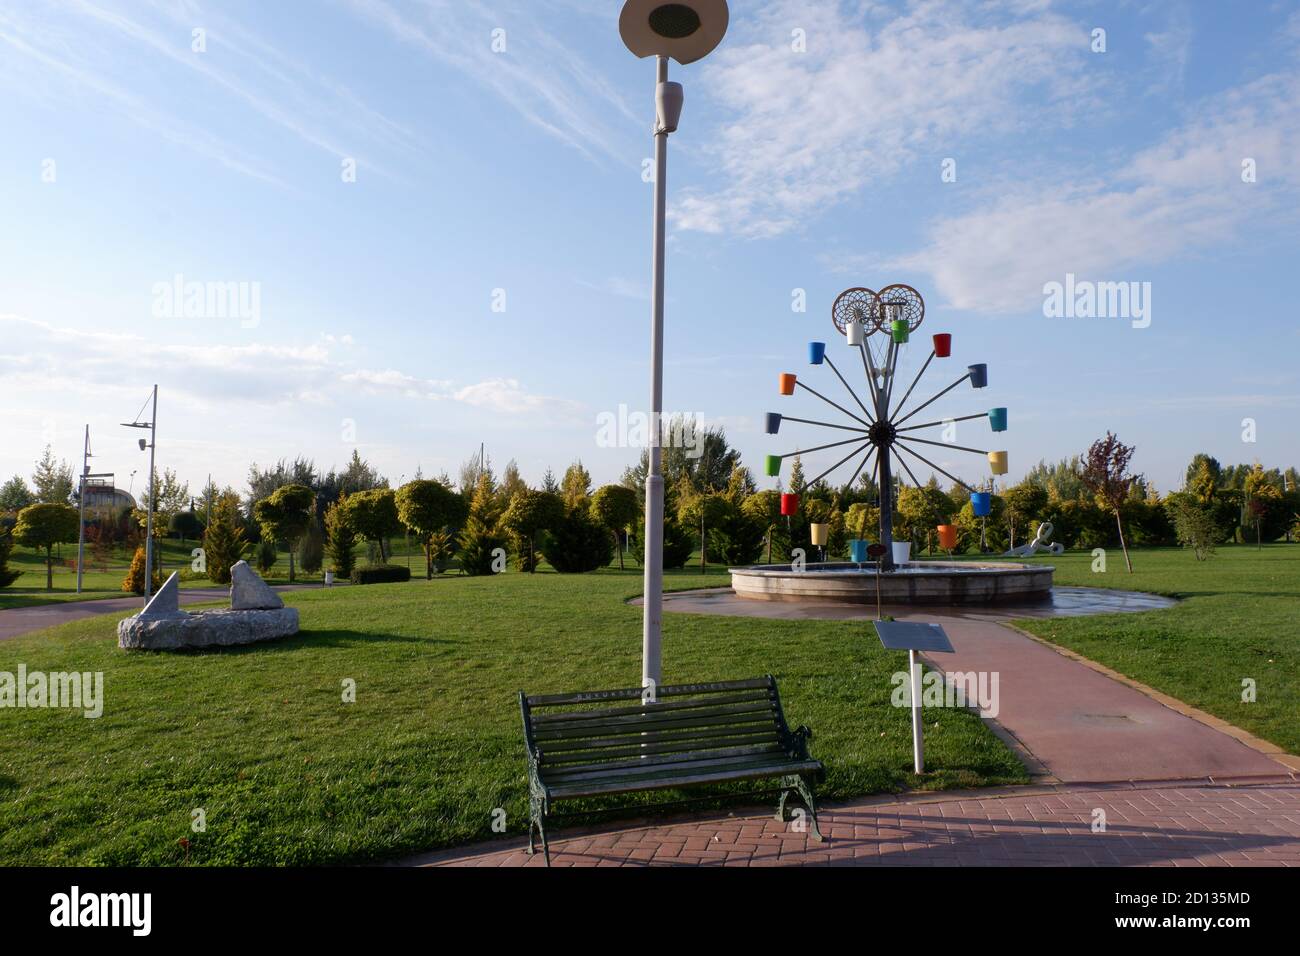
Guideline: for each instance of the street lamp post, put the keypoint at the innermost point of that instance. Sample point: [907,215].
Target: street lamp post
[152,425]
[686,32]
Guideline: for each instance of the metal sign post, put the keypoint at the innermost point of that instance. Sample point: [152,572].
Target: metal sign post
[912,637]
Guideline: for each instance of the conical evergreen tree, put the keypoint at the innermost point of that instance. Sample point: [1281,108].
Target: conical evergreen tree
[223,541]
[479,539]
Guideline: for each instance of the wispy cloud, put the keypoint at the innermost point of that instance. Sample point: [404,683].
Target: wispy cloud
[1183,194]
[72,361]
[89,43]
[536,74]
[812,129]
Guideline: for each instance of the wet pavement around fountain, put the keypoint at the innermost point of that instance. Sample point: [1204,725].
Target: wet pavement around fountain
[1064,602]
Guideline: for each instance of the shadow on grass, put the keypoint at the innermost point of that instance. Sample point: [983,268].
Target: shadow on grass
[304,641]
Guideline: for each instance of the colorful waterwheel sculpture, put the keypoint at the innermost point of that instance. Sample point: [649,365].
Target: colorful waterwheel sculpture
[880,425]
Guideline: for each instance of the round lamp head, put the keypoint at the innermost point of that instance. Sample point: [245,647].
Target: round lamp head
[687,30]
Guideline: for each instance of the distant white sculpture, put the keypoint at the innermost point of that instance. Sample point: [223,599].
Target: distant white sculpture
[1040,543]
[256,613]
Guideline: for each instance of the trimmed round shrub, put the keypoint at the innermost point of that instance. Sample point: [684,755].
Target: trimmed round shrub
[577,544]
[381,574]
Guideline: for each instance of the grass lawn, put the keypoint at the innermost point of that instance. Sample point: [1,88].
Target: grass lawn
[286,773]
[1240,618]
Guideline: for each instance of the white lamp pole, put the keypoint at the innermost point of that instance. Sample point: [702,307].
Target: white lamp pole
[685,31]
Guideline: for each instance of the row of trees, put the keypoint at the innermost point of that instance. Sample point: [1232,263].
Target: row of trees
[712,504]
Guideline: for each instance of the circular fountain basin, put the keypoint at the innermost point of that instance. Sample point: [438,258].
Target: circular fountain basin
[920,582]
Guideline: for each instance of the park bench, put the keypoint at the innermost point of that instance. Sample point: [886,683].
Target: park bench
[596,744]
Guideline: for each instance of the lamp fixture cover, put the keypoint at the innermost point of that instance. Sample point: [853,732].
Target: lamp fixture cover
[686,31]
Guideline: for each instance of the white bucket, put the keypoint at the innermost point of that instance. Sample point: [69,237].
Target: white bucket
[902,552]
[329,579]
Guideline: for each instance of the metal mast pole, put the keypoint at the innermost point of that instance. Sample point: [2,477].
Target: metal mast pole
[81,509]
[148,528]
[652,619]
[886,484]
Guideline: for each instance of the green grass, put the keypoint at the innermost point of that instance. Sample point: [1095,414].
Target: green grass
[288,774]
[1239,618]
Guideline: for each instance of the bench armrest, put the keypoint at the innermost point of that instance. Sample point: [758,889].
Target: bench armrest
[799,739]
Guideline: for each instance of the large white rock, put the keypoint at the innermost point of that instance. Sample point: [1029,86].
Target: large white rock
[248,592]
[219,628]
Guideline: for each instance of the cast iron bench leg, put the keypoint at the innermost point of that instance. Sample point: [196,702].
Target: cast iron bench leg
[797,784]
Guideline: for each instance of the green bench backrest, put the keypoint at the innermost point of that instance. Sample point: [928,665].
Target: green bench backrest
[687,720]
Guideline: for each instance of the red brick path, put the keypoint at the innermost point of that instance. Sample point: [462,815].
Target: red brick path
[1169,824]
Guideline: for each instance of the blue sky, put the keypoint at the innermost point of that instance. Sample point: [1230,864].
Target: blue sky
[810,156]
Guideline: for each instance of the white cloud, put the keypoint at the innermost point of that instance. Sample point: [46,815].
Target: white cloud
[812,129]
[1182,194]
[51,360]
[507,396]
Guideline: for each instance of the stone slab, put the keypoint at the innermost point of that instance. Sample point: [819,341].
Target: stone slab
[218,628]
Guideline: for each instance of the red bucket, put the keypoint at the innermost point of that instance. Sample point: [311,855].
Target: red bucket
[943,344]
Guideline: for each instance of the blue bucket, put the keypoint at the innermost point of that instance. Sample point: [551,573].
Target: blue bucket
[858,550]
[981,503]
[979,375]
[998,419]
[816,352]
[772,422]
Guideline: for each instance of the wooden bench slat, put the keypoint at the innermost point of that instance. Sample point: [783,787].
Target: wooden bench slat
[542,720]
[651,725]
[565,772]
[652,717]
[552,758]
[594,789]
[634,693]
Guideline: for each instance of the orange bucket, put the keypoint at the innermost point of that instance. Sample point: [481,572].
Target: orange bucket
[948,536]
[787,383]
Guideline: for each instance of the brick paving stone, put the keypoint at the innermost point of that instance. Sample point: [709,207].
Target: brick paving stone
[1158,824]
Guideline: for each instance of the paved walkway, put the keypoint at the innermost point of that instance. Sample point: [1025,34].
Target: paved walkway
[1069,721]
[1145,825]
[16,621]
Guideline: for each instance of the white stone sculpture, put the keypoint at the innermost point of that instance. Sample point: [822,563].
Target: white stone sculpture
[1040,543]
[256,613]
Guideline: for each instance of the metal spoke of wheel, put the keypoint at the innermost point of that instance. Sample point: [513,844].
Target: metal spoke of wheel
[908,394]
[949,475]
[963,418]
[809,421]
[827,360]
[932,400]
[837,464]
[829,402]
[944,444]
